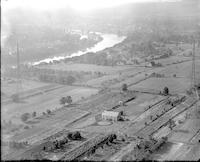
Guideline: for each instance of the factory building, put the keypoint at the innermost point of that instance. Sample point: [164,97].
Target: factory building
[111,115]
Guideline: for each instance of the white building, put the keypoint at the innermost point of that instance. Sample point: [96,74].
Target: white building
[111,115]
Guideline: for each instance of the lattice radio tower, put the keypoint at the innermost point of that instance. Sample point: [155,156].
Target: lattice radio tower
[19,81]
[193,78]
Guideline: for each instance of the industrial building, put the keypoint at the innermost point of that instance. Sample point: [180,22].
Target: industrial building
[111,115]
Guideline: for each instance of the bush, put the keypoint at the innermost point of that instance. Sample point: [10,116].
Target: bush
[166,91]
[25,117]
[124,87]
[34,114]
[65,100]
[26,127]
[70,79]
[48,111]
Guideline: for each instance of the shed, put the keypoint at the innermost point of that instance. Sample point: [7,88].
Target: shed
[111,115]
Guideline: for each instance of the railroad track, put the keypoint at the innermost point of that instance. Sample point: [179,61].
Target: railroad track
[157,124]
[144,132]
[86,147]
[154,126]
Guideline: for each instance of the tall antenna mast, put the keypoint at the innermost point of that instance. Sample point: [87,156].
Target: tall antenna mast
[193,83]
[18,62]
[193,65]
[19,87]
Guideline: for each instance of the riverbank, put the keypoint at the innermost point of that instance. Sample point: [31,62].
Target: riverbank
[109,40]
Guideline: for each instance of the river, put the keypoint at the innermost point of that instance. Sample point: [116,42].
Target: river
[109,40]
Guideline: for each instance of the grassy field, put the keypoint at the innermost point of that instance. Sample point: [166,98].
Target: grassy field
[55,124]
[12,86]
[41,103]
[178,84]
[112,79]
[173,59]
[182,69]
[175,85]
[86,68]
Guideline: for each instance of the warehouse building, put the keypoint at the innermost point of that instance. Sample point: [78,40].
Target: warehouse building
[111,115]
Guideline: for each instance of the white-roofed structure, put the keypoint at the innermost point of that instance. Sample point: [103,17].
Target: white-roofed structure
[111,115]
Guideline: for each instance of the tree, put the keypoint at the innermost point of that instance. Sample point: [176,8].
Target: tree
[124,87]
[48,111]
[65,100]
[25,117]
[70,79]
[166,91]
[69,99]
[34,114]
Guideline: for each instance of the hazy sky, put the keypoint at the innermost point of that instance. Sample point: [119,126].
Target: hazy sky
[80,5]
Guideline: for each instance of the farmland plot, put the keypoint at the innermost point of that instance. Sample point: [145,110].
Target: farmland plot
[175,85]
[12,87]
[55,124]
[41,103]
[182,69]
[115,78]
[172,59]
[86,68]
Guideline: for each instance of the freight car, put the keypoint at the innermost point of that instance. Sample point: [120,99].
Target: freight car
[56,143]
[74,135]
[88,147]
[145,147]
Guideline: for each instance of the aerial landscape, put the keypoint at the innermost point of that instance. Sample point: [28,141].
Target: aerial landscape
[100,80]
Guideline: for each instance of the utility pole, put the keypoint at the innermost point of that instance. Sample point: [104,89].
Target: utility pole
[193,82]
[19,83]
[18,63]
[193,65]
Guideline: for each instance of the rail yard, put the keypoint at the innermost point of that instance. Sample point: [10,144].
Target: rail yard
[130,92]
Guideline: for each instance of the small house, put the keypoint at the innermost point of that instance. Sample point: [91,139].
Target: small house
[111,115]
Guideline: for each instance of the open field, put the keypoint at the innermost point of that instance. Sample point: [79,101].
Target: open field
[182,70]
[11,86]
[86,68]
[175,85]
[112,79]
[178,84]
[173,60]
[55,124]
[99,82]
[41,103]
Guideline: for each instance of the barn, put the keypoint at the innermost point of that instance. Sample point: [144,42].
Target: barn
[111,115]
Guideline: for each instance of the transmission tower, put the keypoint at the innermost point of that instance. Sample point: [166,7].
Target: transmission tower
[19,81]
[193,78]
[193,65]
